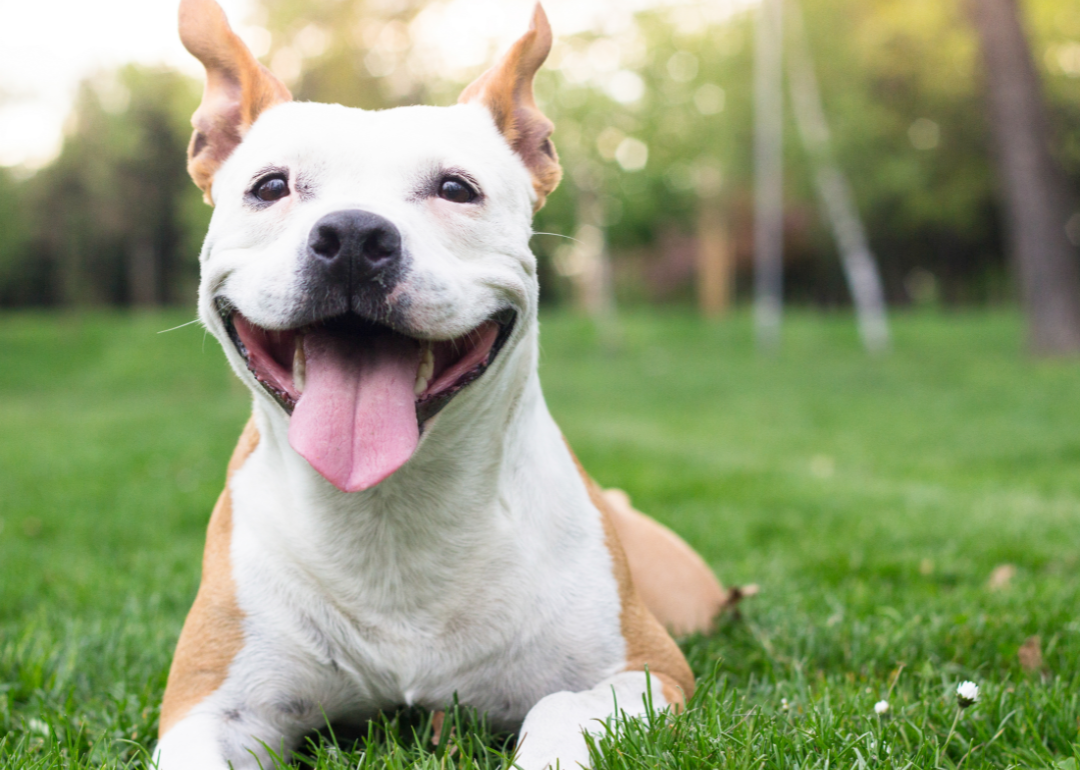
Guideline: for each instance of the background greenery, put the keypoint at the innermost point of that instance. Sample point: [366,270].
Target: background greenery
[870,499]
[900,82]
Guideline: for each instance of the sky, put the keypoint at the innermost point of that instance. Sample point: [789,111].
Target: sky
[48,46]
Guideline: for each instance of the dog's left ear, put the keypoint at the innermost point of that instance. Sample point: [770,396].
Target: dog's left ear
[238,89]
[507,91]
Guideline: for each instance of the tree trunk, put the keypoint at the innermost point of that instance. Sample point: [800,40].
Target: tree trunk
[593,292]
[834,193]
[769,173]
[142,274]
[589,268]
[1034,189]
[715,263]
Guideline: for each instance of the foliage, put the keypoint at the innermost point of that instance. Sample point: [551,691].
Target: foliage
[653,114]
[115,219]
[902,91]
[342,51]
[870,499]
[16,287]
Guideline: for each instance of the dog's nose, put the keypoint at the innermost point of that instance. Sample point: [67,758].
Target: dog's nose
[354,245]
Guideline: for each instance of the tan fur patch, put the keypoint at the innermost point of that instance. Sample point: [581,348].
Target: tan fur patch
[673,694]
[647,643]
[213,632]
[674,582]
[238,89]
[507,91]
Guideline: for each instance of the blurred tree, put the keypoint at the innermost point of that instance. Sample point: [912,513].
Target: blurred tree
[115,218]
[351,52]
[900,94]
[1034,188]
[653,118]
[768,173]
[653,121]
[22,281]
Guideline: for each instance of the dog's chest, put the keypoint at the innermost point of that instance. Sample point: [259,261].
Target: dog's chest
[380,615]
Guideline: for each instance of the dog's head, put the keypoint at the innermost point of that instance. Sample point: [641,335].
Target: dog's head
[363,268]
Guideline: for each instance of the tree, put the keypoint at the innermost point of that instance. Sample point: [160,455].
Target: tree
[1034,188]
[653,119]
[115,219]
[22,281]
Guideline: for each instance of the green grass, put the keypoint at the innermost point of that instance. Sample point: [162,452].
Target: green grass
[870,499]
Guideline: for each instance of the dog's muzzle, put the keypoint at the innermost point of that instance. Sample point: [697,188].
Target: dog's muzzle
[359,383]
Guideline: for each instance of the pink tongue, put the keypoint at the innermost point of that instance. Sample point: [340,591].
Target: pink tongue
[356,420]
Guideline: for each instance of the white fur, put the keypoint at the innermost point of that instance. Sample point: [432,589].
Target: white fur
[552,731]
[480,567]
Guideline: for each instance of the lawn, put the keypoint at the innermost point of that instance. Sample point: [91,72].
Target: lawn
[911,521]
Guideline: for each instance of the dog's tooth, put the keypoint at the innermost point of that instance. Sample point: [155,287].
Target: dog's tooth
[427,363]
[299,366]
[425,370]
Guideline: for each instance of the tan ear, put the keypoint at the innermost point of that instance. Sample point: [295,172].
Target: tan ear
[507,91]
[238,89]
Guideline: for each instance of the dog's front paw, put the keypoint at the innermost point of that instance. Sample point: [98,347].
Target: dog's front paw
[197,743]
[552,733]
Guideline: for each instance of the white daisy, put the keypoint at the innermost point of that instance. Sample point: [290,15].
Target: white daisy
[967,694]
[881,707]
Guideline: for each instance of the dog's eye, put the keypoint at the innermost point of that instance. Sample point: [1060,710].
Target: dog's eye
[456,190]
[271,189]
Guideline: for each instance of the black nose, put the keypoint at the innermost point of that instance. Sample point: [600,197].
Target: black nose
[354,246]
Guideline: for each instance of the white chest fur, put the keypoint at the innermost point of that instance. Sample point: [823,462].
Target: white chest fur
[494,583]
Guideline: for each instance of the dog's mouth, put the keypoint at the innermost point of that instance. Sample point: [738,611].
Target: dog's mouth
[358,391]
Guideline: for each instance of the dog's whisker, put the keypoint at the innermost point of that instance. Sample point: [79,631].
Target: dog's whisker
[181,326]
[560,235]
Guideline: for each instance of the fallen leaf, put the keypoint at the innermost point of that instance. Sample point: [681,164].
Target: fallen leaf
[1001,577]
[1030,654]
[436,726]
[437,720]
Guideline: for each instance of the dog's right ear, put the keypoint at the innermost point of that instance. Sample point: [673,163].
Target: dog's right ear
[238,89]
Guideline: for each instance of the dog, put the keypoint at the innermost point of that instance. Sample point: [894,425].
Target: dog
[403,523]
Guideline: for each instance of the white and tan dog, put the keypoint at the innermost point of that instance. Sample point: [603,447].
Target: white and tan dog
[402,522]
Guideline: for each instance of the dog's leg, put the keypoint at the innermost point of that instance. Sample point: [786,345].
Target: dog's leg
[671,578]
[552,731]
[193,743]
[216,737]
[212,740]
[554,728]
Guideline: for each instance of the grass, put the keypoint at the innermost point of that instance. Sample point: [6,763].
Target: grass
[870,499]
